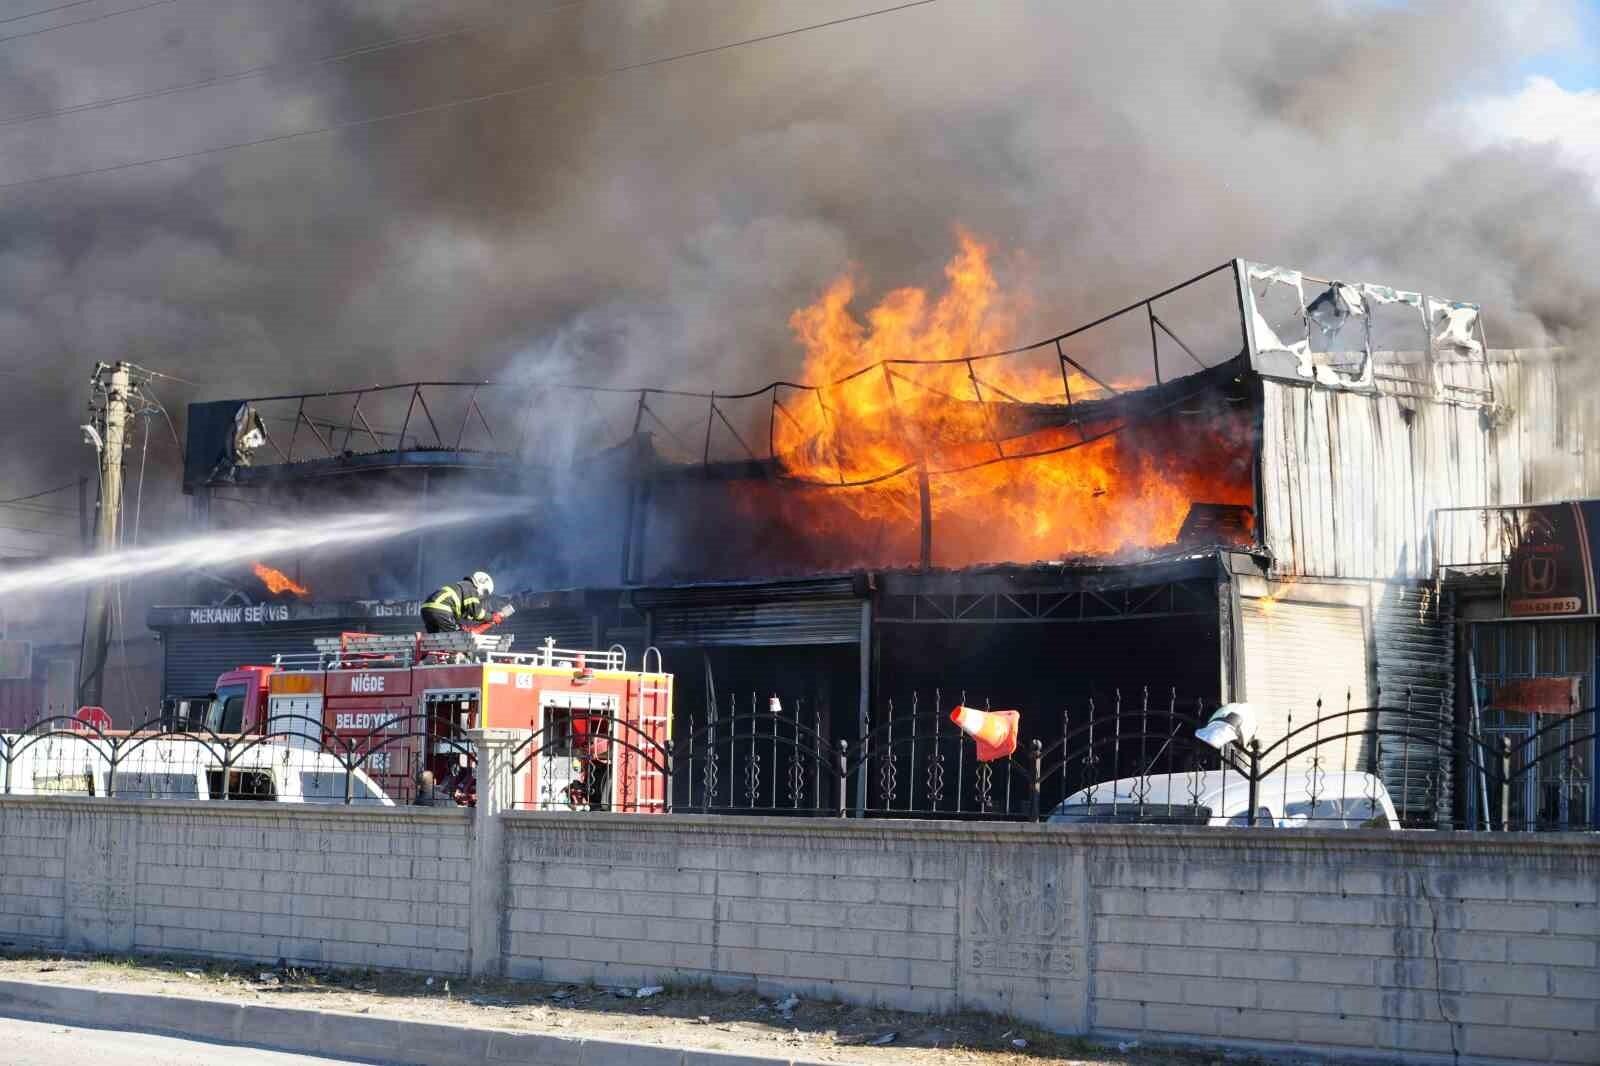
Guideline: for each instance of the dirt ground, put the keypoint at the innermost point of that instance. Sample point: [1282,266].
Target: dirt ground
[689,1017]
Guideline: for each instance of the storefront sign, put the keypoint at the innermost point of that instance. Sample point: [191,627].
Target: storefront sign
[1536,695]
[1550,570]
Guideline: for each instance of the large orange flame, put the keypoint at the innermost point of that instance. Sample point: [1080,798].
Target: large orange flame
[871,433]
[277,581]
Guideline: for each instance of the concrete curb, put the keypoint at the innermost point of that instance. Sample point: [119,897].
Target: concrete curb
[341,1036]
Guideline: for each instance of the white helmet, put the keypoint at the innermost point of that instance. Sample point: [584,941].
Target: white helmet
[483,583]
[1232,723]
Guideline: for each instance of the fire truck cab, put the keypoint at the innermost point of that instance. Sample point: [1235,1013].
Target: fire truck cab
[406,703]
[238,704]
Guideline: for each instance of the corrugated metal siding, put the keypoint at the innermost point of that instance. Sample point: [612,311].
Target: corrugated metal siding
[1553,432]
[765,624]
[1414,642]
[1349,479]
[1296,654]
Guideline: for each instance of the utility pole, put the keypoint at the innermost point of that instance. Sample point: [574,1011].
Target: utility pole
[110,413]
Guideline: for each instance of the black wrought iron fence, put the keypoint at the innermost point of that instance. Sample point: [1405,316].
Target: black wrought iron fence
[1125,760]
[401,759]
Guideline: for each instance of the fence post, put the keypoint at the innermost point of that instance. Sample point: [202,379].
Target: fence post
[349,770]
[844,777]
[1255,780]
[1505,784]
[496,751]
[666,791]
[1037,751]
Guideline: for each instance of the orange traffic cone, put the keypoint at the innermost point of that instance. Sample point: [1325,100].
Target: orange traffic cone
[995,731]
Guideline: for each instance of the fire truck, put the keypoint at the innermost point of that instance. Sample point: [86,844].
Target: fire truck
[598,730]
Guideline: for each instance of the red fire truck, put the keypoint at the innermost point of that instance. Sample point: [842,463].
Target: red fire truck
[598,729]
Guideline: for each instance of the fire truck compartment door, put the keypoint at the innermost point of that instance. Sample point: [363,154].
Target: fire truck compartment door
[298,716]
[563,761]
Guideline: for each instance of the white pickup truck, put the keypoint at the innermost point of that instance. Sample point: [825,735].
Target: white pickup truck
[1292,798]
[176,768]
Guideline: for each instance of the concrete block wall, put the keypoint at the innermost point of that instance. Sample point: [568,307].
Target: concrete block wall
[313,886]
[1423,946]
[1486,947]
[1409,945]
[33,850]
[822,915]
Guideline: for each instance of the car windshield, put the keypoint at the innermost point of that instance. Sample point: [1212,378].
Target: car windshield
[135,784]
[327,786]
[1148,814]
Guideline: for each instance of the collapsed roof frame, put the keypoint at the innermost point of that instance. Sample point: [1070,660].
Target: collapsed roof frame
[309,443]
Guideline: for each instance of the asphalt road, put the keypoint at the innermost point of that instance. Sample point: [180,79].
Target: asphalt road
[28,1043]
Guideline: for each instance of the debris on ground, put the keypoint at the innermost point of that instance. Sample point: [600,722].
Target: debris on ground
[738,1023]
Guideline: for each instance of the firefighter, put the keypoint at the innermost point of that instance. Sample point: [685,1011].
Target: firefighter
[461,601]
[429,794]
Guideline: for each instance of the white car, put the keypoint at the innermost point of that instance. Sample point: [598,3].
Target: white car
[176,768]
[1342,799]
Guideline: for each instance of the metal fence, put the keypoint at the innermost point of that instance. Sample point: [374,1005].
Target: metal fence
[298,759]
[1129,760]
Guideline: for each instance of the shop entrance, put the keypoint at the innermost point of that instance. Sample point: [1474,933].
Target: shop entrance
[1552,748]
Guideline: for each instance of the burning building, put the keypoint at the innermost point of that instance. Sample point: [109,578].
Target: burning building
[1241,487]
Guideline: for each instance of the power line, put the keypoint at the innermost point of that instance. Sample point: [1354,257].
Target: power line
[34,508]
[41,492]
[36,532]
[45,11]
[253,72]
[81,22]
[169,377]
[450,105]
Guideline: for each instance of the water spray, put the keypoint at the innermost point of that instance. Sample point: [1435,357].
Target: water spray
[236,545]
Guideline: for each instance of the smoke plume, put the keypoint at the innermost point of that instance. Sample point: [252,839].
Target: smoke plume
[658,226]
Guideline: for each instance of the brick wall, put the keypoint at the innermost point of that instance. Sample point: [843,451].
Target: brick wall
[1416,945]
[268,881]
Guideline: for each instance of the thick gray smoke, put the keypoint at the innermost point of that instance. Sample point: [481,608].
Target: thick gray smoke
[658,226]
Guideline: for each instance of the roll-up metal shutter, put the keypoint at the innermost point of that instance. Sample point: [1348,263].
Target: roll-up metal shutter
[1414,641]
[1296,654]
[530,629]
[823,611]
[821,622]
[195,655]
